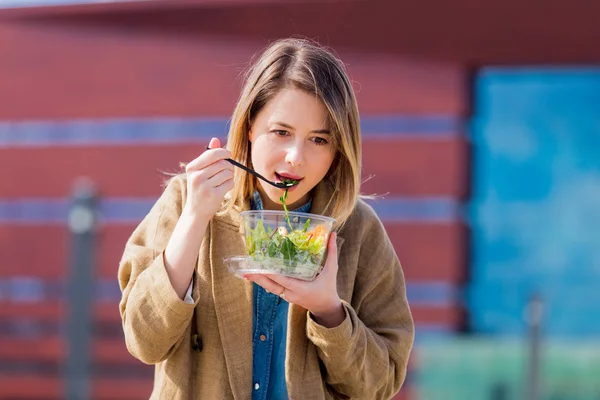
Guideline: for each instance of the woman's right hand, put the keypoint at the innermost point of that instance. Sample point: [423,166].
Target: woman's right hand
[209,178]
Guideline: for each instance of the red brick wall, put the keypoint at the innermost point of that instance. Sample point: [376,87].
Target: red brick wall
[52,72]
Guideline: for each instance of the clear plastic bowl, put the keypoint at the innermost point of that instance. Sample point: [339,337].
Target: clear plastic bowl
[293,245]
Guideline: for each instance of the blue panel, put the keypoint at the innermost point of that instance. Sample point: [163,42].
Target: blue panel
[119,210]
[535,210]
[39,3]
[148,131]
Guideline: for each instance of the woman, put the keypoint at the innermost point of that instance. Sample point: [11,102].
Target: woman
[211,335]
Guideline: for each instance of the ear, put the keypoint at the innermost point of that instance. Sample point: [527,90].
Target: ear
[250,135]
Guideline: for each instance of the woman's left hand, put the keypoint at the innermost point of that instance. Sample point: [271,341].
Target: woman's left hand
[320,296]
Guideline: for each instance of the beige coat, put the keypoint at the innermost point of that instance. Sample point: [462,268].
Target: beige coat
[363,358]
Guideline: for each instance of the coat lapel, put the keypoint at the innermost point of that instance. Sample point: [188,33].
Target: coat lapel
[233,305]
[302,378]
[296,352]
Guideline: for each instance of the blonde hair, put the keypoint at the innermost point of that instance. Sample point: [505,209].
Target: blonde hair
[304,65]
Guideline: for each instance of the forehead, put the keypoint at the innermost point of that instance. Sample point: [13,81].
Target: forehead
[297,108]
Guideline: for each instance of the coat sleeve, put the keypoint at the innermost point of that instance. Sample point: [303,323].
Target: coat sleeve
[366,356]
[154,317]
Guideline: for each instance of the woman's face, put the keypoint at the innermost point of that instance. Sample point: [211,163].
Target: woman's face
[291,139]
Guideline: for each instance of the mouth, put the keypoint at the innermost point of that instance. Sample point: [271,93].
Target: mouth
[280,177]
[290,180]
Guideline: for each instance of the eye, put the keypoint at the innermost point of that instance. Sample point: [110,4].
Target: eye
[319,141]
[280,132]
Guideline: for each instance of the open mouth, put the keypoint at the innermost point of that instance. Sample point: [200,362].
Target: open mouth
[288,177]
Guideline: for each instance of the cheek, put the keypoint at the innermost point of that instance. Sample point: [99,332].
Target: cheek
[260,152]
[261,162]
[256,155]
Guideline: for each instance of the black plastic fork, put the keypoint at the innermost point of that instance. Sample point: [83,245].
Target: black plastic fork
[279,185]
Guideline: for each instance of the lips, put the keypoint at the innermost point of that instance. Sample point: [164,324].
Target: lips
[285,175]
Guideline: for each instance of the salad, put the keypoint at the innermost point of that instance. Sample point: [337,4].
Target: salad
[296,247]
[290,247]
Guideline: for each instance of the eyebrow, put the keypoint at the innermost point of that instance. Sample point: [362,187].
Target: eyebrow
[322,131]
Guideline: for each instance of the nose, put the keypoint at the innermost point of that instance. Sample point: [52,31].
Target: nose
[295,155]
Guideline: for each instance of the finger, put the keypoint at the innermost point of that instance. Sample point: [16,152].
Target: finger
[266,283]
[220,177]
[283,281]
[197,176]
[197,180]
[215,143]
[225,187]
[207,158]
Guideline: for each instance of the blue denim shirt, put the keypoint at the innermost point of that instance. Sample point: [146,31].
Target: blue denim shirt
[269,327]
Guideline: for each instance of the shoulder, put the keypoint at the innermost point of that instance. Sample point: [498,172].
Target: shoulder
[174,192]
[368,255]
[176,183]
[363,221]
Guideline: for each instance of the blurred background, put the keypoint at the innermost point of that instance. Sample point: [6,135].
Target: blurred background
[480,125]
